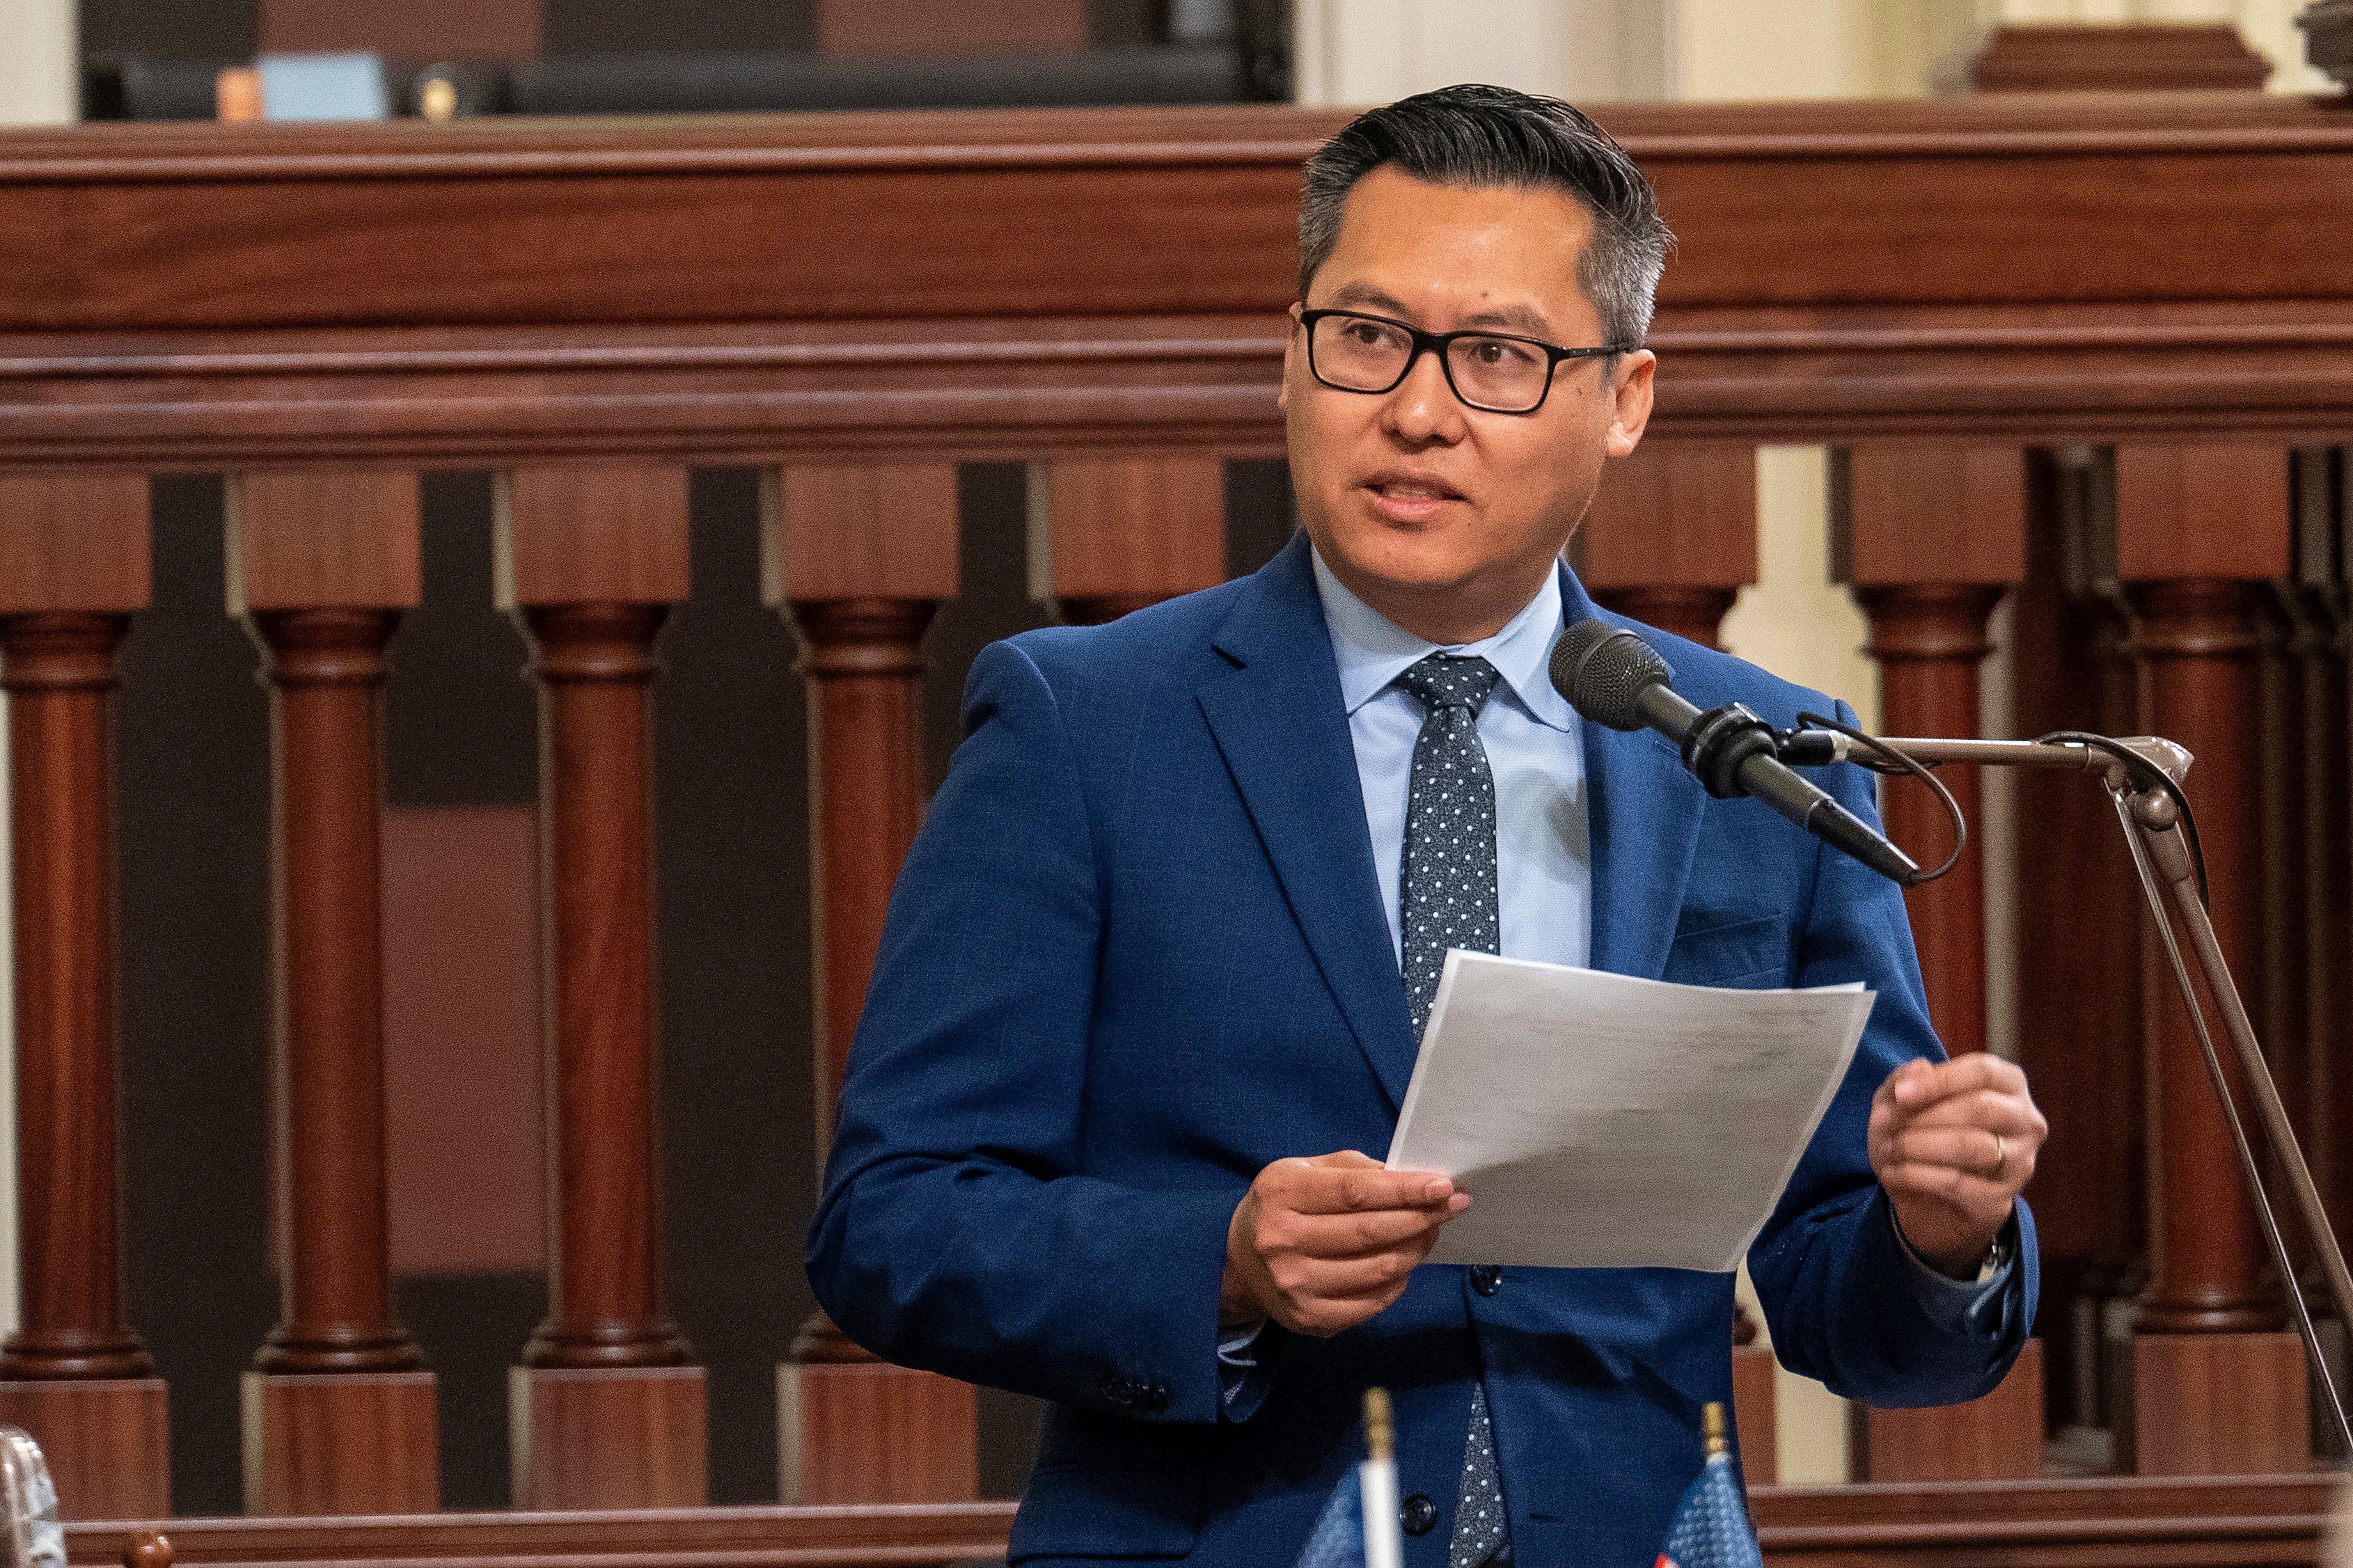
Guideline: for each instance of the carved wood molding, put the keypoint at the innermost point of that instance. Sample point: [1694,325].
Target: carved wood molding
[2190,1523]
[2151,58]
[888,283]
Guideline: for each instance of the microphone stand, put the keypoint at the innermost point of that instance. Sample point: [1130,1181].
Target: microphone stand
[2152,831]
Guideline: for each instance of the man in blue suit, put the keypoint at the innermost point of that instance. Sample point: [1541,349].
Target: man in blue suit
[1155,972]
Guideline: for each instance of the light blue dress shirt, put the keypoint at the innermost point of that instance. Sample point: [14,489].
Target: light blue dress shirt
[1543,867]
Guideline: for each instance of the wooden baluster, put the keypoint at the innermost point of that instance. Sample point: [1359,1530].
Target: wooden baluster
[1670,540]
[1671,537]
[73,567]
[2076,982]
[2315,839]
[859,556]
[608,1410]
[339,1414]
[2216,1388]
[2326,519]
[1108,536]
[1930,538]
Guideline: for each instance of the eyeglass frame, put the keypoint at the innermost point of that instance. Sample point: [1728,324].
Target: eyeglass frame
[1438,343]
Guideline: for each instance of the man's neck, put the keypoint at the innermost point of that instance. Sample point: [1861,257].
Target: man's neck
[1450,617]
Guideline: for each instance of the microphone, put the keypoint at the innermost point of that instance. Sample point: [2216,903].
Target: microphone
[1617,679]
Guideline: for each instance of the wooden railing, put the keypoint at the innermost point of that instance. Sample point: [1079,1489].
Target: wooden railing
[2093,357]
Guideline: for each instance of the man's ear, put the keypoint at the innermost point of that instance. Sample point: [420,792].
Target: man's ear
[1291,346]
[1629,412]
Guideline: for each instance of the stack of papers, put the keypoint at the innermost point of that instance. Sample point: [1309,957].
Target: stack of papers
[1599,1122]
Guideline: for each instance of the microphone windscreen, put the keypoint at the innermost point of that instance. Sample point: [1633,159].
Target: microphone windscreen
[1603,672]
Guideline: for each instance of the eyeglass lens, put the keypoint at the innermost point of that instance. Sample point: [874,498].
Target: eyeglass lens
[1360,353]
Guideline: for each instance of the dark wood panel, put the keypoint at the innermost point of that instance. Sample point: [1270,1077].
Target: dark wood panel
[2063,1523]
[978,389]
[801,217]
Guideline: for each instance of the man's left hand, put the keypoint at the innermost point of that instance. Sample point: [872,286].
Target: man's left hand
[1953,1144]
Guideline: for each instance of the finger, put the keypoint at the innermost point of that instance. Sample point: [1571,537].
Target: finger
[1917,1085]
[1973,1149]
[1326,1190]
[2012,1114]
[1347,1235]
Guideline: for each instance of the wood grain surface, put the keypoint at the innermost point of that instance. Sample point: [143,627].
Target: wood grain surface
[1997,1437]
[1109,535]
[591,534]
[875,1433]
[2095,1523]
[2218,1404]
[595,666]
[73,541]
[354,1444]
[608,1438]
[2044,266]
[859,530]
[107,1442]
[307,539]
[325,669]
[60,670]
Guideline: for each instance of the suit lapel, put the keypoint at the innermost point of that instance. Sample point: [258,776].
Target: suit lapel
[1642,823]
[1283,727]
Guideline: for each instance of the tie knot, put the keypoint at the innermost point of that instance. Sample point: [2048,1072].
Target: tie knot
[1450,680]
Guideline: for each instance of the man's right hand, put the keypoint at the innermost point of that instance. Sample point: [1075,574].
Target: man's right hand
[1321,1245]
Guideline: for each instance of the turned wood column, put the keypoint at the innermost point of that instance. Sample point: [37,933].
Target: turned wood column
[2327,802]
[1671,536]
[73,567]
[339,1414]
[2076,972]
[1670,540]
[2200,529]
[857,556]
[609,1411]
[1930,538]
[1108,536]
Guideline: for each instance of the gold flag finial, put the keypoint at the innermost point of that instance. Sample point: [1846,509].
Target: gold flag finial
[1712,1427]
[1380,1436]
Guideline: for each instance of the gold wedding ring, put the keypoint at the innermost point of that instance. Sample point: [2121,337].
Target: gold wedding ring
[2001,1158]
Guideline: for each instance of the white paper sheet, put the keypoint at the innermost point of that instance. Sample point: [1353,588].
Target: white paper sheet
[1599,1122]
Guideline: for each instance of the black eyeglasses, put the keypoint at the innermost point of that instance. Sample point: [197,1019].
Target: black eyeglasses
[1493,371]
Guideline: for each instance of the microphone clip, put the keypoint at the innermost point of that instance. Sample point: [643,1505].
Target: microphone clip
[1719,741]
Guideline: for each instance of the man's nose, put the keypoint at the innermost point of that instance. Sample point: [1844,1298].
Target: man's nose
[1423,407]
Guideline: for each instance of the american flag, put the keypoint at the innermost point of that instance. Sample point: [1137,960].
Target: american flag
[1711,1524]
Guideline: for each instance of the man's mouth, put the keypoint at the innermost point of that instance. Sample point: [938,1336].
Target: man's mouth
[1406,489]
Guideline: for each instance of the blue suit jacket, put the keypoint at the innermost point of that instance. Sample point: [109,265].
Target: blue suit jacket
[1138,952]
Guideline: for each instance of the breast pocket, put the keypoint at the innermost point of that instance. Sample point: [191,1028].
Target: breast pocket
[1749,954]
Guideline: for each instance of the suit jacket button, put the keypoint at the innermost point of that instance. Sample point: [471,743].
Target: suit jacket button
[1117,1390]
[1417,1515]
[1486,1278]
[1156,1397]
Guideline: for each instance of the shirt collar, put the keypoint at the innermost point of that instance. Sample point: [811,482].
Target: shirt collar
[1373,650]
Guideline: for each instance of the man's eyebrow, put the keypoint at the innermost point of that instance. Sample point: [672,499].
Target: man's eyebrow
[1501,318]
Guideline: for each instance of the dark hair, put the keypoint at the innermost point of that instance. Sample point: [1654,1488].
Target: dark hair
[1490,136]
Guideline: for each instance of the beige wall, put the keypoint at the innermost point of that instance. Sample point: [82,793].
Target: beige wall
[38,83]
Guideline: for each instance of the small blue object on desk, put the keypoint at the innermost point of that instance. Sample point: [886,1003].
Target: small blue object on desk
[323,87]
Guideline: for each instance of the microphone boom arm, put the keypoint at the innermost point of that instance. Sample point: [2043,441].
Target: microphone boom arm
[2151,824]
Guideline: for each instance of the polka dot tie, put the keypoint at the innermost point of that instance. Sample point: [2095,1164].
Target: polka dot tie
[1482,1539]
[1446,884]
[1447,898]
